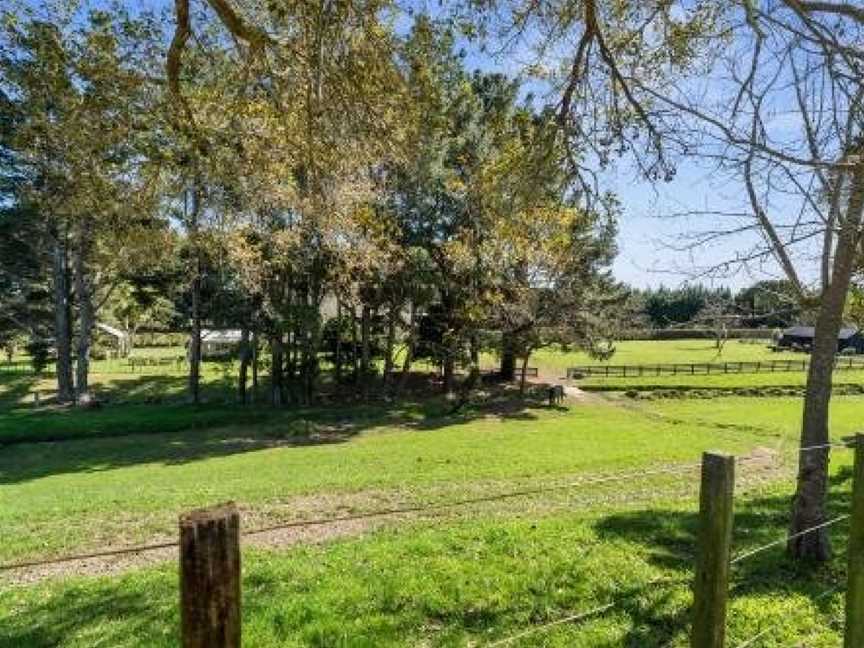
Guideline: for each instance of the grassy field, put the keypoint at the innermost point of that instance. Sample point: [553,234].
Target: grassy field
[470,583]
[551,360]
[791,379]
[150,478]
[116,380]
[464,576]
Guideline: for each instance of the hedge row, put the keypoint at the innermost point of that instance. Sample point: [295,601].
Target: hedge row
[696,333]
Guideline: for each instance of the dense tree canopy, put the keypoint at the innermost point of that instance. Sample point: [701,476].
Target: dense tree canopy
[327,168]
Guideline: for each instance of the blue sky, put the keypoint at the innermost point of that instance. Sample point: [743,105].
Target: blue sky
[650,234]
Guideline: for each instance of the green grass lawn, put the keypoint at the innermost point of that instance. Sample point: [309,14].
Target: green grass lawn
[148,479]
[470,582]
[115,380]
[469,576]
[782,416]
[792,379]
[553,362]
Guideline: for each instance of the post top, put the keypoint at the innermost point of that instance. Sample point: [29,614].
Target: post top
[209,514]
[716,454]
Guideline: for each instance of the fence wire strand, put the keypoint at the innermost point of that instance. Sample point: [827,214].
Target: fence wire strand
[573,618]
[781,541]
[752,640]
[86,556]
[822,446]
[619,477]
[581,616]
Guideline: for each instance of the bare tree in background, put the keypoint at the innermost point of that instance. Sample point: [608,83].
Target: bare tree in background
[781,114]
[767,92]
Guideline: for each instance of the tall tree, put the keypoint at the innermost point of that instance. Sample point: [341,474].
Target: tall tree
[648,63]
[76,96]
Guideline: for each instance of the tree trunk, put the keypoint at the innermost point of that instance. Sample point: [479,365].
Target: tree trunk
[355,357]
[289,376]
[195,342]
[245,354]
[808,507]
[254,366]
[365,353]
[129,341]
[474,353]
[448,372]
[507,370]
[277,396]
[524,372]
[391,344]
[86,314]
[409,347]
[337,355]
[62,321]
[311,342]
[195,333]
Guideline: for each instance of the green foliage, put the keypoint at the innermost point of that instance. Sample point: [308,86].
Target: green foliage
[40,352]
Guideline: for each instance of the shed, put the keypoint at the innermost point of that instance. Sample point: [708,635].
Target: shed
[219,342]
[801,337]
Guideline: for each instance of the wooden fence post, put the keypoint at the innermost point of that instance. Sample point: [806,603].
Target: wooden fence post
[210,577]
[855,585]
[714,541]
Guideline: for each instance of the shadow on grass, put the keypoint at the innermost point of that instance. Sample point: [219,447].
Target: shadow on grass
[379,596]
[15,388]
[109,613]
[669,540]
[40,442]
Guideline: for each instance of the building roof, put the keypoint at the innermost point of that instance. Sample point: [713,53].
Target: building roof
[223,336]
[110,330]
[810,332]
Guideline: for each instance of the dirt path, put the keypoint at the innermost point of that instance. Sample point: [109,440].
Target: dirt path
[568,493]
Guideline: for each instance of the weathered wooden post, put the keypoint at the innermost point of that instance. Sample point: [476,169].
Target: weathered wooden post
[713,544]
[855,576]
[210,577]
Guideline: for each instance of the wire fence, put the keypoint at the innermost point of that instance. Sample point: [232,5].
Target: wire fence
[709,492]
[572,618]
[775,626]
[785,540]
[17,368]
[388,512]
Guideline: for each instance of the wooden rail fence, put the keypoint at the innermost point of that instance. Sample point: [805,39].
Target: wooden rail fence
[17,367]
[705,368]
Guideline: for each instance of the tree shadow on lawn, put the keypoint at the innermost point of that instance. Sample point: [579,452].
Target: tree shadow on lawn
[14,388]
[43,443]
[669,538]
[27,461]
[106,613]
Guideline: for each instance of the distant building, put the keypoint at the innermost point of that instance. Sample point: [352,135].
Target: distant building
[219,343]
[801,337]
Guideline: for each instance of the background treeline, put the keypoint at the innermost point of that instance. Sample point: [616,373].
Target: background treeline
[765,304]
[352,199]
